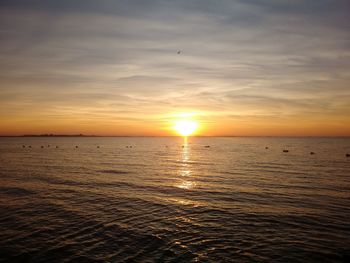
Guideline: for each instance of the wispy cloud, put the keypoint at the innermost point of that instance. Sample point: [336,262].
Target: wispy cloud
[118,60]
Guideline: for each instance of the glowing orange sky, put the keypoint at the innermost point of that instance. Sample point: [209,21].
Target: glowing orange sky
[113,67]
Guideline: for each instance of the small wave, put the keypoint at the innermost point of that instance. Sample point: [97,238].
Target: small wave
[114,172]
[16,191]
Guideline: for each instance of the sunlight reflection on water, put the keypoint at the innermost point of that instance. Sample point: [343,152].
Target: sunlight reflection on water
[185,170]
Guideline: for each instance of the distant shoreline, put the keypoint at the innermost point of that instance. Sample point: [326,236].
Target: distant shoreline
[51,135]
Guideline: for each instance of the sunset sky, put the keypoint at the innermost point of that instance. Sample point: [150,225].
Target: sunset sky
[259,67]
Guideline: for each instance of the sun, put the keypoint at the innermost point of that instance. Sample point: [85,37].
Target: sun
[185,127]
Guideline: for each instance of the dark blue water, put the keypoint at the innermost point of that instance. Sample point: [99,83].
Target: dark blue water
[170,200]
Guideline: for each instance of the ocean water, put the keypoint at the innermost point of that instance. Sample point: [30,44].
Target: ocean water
[174,200]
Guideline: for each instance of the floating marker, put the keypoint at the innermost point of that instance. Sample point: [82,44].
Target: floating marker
[285,151]
[312,153]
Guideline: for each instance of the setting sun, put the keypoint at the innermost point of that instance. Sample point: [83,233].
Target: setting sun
[185,127]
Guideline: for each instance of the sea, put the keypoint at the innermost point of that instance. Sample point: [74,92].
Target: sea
[174,199]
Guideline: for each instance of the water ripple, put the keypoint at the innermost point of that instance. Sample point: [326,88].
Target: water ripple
[232,202]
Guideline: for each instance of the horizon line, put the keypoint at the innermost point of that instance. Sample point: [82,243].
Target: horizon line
[152,136]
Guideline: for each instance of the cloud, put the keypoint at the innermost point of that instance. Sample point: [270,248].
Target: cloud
[252,57]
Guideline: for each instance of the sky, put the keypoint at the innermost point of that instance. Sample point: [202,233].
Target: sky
[246,67]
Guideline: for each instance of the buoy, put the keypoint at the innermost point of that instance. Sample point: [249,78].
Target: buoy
[30,146]
[312,153]
[285,151]
[266,147]
[347,155]
[76,146]
[56,146]
[23,146]
[98,146]
[42,146]
[207,146]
